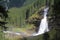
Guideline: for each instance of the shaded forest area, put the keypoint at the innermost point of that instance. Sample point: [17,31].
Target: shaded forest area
[28,13]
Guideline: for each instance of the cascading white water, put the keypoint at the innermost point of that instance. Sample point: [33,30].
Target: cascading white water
[44,24]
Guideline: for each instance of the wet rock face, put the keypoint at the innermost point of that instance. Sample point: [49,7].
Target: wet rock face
[56,13]
[51,18]
[51,22]
[57,19]
[54,19]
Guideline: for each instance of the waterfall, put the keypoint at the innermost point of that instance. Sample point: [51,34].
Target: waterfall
[44,24]
[42,28]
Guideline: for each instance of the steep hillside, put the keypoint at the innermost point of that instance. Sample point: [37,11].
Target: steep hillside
[18,15]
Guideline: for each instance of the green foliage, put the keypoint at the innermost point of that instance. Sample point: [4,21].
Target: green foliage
[40,37]
[17,15]
[2,37]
